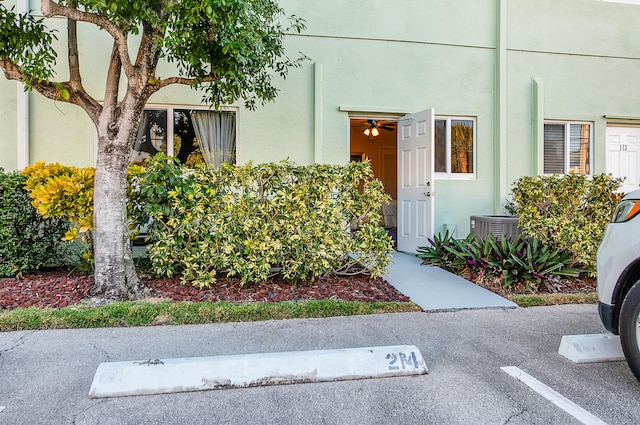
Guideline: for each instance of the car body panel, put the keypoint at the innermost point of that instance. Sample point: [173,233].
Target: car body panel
[619,251]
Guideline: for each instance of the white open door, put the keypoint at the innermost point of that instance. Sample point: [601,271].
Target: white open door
[415,180]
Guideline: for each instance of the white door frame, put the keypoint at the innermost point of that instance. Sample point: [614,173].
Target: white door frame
[623,154]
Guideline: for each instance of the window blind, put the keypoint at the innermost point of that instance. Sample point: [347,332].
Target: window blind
[554,148]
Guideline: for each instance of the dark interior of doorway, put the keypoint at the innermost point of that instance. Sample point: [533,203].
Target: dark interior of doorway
[379,147]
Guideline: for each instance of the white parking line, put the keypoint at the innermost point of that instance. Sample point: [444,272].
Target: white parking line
[553,396]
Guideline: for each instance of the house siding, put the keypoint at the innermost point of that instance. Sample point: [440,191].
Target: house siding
[397,58]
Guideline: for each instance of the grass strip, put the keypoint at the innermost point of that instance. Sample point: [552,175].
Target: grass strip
[142,313]
[553,299]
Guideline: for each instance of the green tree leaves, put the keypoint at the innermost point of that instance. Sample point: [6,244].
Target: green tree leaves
[26,42]
[236,44]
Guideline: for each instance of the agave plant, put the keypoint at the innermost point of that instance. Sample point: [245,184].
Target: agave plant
[444,251]
[515,261]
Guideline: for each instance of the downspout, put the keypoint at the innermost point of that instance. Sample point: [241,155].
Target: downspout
[317,116]
[22,106]
[500,110]
[537,124]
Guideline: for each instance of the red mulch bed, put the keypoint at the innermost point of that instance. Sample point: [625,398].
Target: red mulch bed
[58,289]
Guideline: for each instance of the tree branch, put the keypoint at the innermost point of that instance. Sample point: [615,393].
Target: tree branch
[186,81]
[46,88]
[50,9]
[52,90]
[77,93]
[75,79]
[146,43]
[113,77]
[11,70]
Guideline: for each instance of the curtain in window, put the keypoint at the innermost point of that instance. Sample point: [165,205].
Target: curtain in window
[216,134]
[553,149]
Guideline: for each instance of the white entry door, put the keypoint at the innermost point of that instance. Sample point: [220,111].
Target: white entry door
[622,155]
[415,180]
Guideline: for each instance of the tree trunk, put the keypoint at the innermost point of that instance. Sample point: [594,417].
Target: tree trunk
[115,275]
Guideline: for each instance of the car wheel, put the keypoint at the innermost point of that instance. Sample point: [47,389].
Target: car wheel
[630,328]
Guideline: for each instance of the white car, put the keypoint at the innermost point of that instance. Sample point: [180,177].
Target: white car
[619,278]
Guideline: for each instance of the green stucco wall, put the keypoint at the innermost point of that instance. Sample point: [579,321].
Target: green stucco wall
[8,125]
[587,55]
[395,58]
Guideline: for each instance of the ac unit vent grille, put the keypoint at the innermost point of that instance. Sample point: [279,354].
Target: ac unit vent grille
[498,225]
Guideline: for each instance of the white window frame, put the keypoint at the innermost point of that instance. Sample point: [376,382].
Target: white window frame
[567,145]
[171,107]
[448,175]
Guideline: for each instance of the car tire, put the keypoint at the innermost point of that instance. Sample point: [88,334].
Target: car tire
[630,328]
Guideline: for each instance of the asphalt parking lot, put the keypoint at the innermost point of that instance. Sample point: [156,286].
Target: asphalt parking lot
[45,376]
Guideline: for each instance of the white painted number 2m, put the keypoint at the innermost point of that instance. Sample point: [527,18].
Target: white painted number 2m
[405,361]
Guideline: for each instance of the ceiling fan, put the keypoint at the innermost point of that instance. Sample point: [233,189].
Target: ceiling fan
[372,128]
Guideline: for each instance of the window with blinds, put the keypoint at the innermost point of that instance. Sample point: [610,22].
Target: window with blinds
[567,147]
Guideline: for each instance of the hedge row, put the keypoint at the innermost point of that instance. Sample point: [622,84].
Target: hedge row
[252,221]
[28,241]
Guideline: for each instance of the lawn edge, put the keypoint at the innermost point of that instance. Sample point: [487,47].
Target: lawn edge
[166,312]
[538,300]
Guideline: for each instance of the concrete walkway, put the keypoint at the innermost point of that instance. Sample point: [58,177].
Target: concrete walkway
[435,289]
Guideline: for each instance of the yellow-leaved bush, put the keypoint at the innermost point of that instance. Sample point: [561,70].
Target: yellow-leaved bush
[66,192]
[253,221]
[60,191]
[569,212]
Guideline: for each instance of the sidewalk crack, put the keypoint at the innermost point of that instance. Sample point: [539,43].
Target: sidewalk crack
[74,417]
[17,343]
[103,352]
[514,416]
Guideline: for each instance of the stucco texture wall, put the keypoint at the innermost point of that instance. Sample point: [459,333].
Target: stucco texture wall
[396,58]
[586,54]
[8,125]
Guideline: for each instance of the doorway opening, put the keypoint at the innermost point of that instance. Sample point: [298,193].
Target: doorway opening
[375,139]
[401,151]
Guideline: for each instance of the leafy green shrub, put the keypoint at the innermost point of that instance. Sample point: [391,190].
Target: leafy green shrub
[28,241]
[255,220]
[569,213]
[445,252]
[515,261]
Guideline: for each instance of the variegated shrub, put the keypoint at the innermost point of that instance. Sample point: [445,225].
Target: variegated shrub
[253,221]
[568,213]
